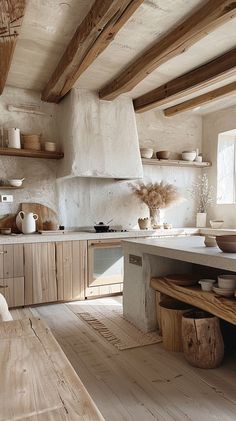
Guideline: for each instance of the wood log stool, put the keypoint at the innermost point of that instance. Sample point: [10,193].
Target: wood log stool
[203,344]
[171,323]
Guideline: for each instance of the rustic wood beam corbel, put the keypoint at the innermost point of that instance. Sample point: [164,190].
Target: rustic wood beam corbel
[206,98]
[11,14]
[94,34]
[201,77]
[212,14]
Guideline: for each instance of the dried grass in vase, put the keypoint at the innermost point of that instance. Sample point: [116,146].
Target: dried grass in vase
[156,196]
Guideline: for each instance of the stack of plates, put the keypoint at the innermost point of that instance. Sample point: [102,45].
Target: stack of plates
[32,141]
[223,291]
[226,285]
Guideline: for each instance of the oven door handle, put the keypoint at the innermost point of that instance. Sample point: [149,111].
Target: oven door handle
[104,245]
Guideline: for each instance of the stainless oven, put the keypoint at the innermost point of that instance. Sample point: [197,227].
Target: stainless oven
[105,267]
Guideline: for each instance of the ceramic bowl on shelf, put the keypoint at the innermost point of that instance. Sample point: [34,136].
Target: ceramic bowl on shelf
[50,146]
[189,155]
[146,152]
[216,224]
[16,182]
[5,231]
[163,154]
[227,281]
[206,284]
[227,243]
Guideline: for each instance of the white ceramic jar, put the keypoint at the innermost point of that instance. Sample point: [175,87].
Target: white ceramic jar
[28,222]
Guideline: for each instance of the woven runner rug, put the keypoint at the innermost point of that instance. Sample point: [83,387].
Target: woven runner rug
[108,321]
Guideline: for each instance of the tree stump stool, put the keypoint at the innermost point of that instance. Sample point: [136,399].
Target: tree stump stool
[203,344]
[171,312]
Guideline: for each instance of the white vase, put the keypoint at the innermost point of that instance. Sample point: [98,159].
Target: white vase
[155,217]
[201,220]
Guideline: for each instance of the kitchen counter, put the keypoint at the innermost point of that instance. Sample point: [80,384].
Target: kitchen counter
[153,257]
[82,235]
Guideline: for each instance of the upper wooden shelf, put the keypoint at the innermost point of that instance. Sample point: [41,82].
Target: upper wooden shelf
[8,187]
[175,163]
[28,153]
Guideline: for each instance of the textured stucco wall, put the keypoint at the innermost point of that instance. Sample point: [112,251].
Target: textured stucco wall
[84,201]
[81,201]
[39,173]
[213,124]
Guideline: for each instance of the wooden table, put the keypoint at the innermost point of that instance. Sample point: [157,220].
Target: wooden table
[37,381]
[224,308]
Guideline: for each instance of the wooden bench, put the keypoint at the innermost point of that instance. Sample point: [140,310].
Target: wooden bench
[37,381]
[224,308]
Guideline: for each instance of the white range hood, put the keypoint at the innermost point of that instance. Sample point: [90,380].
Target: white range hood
[99,138]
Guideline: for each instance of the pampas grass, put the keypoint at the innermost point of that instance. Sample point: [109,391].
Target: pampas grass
[157,195]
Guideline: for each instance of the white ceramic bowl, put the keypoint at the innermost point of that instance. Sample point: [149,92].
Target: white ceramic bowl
[189,155]
[15,182]
[50,146]
[216,224]
[206,284]
[146,152]
[227,281]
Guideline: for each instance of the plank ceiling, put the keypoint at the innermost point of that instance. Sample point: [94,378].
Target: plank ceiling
[49,25]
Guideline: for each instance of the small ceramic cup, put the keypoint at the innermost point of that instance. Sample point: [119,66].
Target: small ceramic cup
[206,284]
[144,223]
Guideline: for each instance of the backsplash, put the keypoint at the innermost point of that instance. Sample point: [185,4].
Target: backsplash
[83,201]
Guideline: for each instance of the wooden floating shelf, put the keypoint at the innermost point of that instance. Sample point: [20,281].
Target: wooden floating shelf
[28,153]
[7,187]
[175,163]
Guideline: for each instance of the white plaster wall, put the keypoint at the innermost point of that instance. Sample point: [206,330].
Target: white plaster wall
[40,174]
[213,124]
[85,201]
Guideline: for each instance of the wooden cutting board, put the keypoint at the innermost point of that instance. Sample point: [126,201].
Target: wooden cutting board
[9,221]
[48,218]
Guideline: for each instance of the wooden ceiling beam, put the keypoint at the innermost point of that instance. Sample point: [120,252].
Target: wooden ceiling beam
[94,34]
[11,14]
[211,15]
[206,98]
[191,82]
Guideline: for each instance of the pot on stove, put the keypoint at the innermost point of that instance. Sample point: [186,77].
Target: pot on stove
[101,227]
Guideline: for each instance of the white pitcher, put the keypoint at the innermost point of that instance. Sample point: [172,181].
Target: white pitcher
[28,222]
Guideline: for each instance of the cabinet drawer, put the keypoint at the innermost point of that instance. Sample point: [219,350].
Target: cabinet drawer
[11,261]
[13,291]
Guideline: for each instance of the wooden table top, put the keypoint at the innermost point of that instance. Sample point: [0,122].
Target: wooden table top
[38,382]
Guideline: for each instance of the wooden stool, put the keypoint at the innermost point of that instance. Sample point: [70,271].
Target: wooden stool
[171,323]
[203,344]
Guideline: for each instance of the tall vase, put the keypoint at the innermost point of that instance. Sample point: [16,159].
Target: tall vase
[155,217]
[201,220]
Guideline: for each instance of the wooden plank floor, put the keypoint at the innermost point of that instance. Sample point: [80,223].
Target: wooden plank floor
[141,384]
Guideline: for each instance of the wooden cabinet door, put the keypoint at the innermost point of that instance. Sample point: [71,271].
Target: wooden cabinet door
[13,291]
[71,257]
[11,261]
[40,273]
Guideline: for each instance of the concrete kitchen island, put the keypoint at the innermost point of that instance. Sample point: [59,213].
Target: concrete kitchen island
[147,258]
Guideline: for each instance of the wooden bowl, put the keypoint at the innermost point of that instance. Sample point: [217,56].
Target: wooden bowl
[163,154]
[227,243]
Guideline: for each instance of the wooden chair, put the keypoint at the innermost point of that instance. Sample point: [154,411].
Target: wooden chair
[5,314]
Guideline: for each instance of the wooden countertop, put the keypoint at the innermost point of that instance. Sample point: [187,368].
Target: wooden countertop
[37,380]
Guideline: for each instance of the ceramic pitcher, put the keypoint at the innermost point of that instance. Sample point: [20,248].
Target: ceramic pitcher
[28,222]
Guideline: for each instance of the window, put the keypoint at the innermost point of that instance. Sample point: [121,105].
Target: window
[226,168]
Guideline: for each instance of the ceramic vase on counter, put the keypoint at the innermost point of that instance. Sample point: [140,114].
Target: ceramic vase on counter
[28,222]
[14,138]
[201,220]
